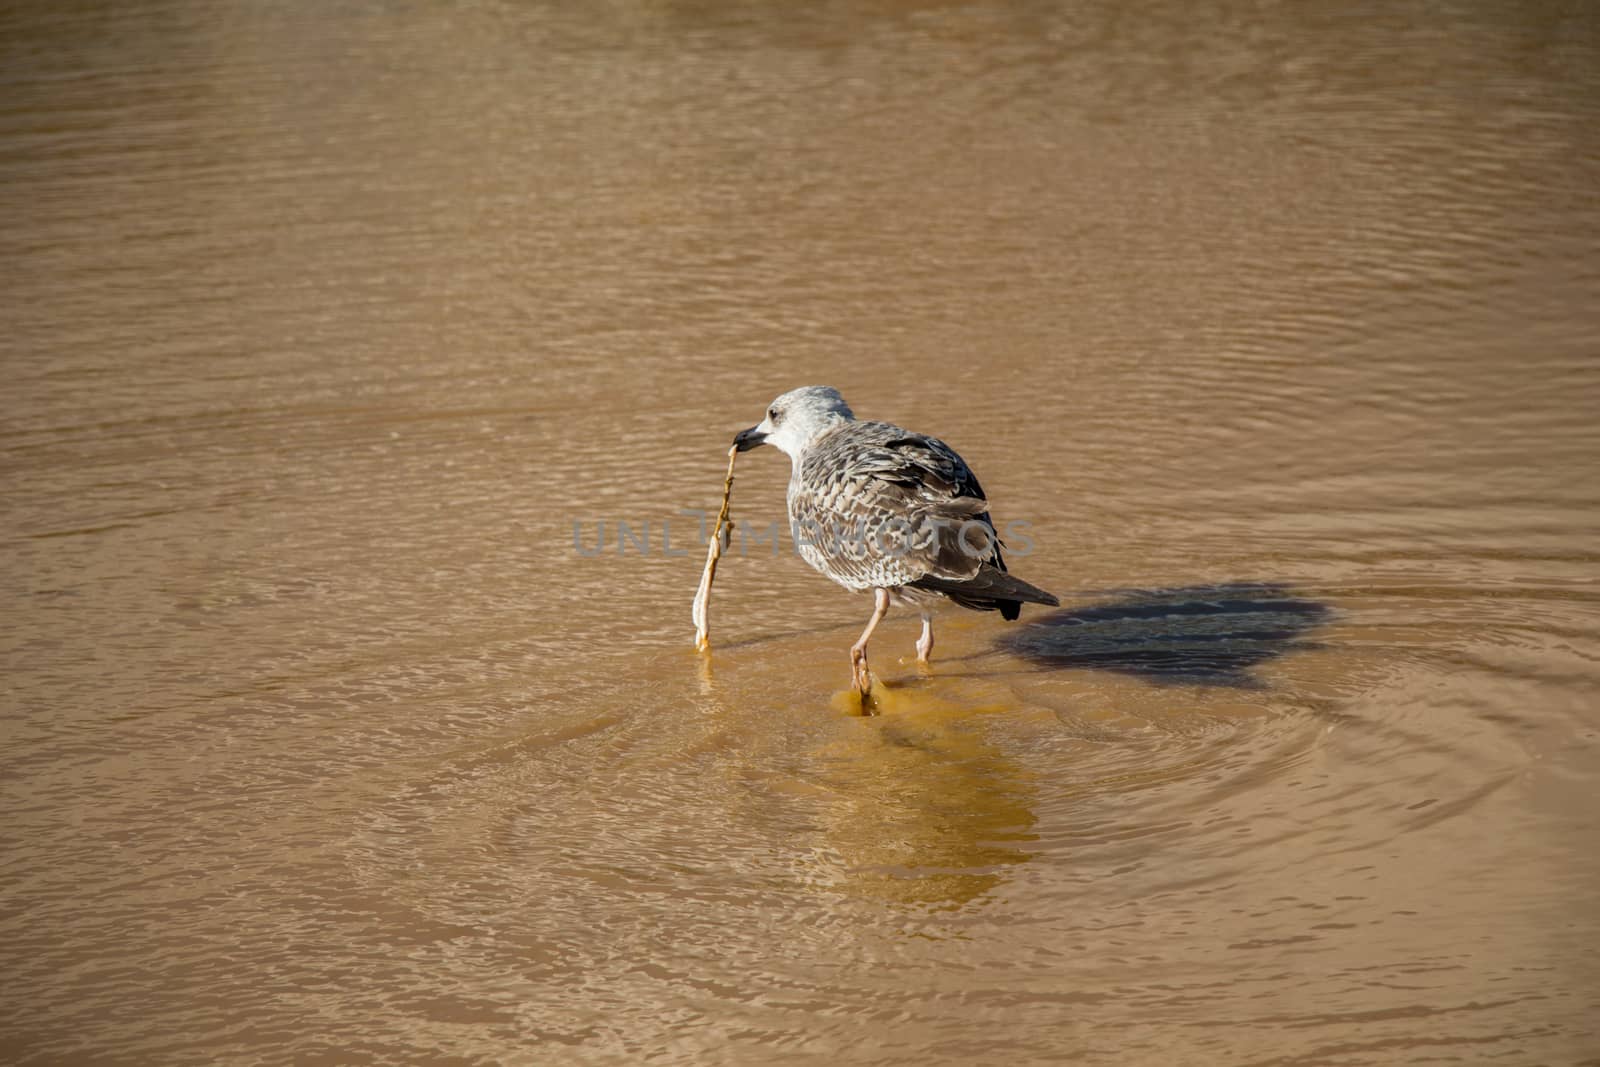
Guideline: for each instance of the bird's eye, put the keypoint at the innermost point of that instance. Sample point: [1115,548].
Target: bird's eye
[772,415]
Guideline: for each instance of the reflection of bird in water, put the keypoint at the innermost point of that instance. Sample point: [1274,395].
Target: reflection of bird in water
[877,507]
[922,810]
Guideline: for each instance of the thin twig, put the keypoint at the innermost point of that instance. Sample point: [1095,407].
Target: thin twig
[719,541]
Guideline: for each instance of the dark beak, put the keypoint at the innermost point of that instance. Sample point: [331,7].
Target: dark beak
[745,440]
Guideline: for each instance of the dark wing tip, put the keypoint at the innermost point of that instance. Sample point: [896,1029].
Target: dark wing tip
[991,589]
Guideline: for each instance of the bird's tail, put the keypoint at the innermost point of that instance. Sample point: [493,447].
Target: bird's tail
[991,589]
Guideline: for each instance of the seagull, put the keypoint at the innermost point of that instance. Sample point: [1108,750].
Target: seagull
[873,506]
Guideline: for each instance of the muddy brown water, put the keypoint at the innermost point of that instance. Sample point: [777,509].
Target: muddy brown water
[339,340]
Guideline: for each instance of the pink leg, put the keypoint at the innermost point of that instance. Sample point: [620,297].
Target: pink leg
[925,642]
[859,675]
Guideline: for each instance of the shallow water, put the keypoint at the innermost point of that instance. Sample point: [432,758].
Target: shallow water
[337,335]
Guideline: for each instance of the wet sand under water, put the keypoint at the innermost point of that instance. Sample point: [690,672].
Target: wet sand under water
[339,728]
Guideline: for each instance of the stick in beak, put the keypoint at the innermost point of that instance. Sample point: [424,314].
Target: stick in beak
[719,541]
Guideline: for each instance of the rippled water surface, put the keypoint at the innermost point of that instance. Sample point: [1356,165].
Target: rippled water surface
[340,339]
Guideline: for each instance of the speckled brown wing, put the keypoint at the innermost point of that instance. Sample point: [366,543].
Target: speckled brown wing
[873,505]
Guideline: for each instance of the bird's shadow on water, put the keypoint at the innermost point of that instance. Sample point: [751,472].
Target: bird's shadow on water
[1203,634]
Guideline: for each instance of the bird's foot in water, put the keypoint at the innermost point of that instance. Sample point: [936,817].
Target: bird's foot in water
[925,643]
[860,675]
[862,698]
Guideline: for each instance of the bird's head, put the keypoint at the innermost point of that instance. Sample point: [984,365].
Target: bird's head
[795,419]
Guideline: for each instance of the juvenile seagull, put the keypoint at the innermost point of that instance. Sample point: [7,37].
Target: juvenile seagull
[876,507]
